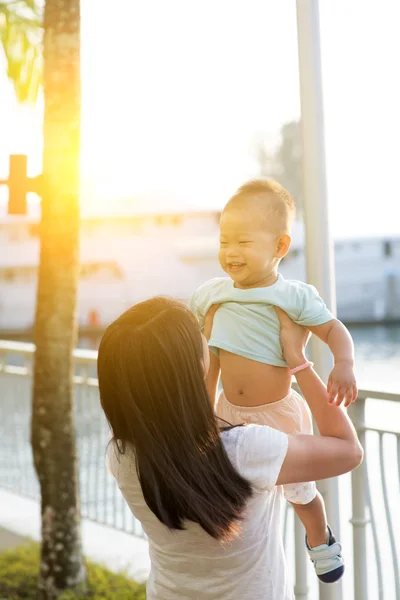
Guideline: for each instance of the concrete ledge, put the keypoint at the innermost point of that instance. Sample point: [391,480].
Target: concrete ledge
[116,550]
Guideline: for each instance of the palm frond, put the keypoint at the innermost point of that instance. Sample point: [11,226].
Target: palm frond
[21,39]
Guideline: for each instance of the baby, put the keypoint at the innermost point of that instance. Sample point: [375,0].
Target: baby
[244,339]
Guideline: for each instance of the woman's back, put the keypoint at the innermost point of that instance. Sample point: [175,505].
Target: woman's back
[191,563]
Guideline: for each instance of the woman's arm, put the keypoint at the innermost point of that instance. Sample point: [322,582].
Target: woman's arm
[334,452]
[337,449]
[212,378]
[214,371]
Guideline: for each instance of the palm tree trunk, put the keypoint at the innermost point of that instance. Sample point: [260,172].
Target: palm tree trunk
[53,428]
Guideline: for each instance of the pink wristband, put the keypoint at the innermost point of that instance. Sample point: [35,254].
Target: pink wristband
[305,365]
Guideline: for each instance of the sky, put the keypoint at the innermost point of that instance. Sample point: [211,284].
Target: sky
[175,95]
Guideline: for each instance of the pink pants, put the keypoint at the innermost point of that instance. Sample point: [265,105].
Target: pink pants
[290,415]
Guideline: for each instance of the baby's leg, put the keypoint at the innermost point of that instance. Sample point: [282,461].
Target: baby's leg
[307,502]
[313,517]
[309,506]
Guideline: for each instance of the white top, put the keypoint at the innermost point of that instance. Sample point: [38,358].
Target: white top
[246,324]
[190,564]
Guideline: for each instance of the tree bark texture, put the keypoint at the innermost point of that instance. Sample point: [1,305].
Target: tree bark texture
[53,415]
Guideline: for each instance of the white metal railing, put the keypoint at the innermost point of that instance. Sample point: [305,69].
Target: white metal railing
[376,498]
[375,485]
[101,500]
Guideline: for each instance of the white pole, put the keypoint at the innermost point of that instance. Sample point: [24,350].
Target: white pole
[301,562]
[359,518]
[319,248]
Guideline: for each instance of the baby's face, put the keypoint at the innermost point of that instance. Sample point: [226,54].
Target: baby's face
[248,251]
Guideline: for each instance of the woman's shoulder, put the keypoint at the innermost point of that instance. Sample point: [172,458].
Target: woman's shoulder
[257,452]
[116,461]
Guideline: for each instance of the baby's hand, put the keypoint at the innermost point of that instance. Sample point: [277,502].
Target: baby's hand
[209,320]
[342,384]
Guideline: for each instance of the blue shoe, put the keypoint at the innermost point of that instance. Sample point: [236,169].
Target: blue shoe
[327,559]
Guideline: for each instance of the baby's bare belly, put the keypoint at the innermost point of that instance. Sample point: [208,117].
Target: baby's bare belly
[250,383]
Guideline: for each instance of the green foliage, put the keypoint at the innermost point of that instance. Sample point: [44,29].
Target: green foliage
[285,164]
[21,38]
[19,576]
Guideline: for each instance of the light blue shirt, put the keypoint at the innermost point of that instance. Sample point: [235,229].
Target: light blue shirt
[247,324]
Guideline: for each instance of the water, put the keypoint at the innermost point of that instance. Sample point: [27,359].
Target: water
[377,351]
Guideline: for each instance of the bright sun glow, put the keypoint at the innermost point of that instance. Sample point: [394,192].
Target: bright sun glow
[171,105]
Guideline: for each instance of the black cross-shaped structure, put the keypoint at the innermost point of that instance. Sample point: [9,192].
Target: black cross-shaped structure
[19,184]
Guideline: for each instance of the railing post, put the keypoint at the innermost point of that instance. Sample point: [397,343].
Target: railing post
[319,246]
[301,587]
[359,520]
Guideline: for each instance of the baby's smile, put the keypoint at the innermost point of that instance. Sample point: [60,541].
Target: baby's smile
[235,266]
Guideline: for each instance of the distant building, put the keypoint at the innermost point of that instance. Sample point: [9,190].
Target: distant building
[128,258]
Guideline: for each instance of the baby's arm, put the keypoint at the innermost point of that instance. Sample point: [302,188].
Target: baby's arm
[342,382]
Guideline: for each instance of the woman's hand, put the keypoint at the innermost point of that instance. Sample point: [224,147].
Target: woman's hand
[293,338]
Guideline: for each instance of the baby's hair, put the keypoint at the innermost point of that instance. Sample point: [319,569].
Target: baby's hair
[274,205]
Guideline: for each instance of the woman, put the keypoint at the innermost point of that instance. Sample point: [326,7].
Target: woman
[207,494]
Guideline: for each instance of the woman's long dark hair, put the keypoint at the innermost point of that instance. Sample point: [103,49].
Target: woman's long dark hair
[154,396]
